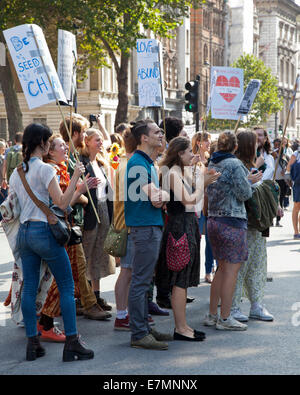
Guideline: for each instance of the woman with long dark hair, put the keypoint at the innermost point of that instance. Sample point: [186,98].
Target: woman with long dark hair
[252,275]
[36,241]
[182,222]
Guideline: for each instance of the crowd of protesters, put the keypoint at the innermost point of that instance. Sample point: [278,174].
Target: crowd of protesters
[164,193]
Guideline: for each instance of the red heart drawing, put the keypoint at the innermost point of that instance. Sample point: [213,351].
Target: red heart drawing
[234,82]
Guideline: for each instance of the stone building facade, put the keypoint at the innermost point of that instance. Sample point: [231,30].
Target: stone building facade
[243,29]
[279,38]
[207,43]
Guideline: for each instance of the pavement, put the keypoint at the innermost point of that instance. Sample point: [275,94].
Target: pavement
[266,348]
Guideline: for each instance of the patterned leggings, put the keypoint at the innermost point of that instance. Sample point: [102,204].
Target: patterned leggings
[252,275]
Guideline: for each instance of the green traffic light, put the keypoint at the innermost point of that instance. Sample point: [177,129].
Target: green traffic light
[192,96]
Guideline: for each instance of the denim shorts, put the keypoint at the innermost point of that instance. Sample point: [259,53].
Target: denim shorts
[126,261]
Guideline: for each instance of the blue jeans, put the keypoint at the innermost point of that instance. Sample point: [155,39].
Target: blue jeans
[36,243]
[209,259]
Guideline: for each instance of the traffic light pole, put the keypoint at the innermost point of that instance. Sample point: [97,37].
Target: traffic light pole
[198,104]
[197,121]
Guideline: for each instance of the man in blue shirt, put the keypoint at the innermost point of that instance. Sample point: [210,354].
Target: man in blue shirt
[143,202]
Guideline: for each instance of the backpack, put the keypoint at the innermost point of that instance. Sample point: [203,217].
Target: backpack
[13,159]
[295,171]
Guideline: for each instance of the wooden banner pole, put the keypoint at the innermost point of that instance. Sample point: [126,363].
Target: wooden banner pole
[162,91]
[281,144]
[237,124]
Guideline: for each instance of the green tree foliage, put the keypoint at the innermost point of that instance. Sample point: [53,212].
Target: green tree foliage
[104,28]
[267,101]
[114,26]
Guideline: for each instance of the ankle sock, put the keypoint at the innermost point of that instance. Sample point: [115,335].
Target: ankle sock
[122,314]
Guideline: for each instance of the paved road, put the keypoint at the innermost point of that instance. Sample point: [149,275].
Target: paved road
[265,348]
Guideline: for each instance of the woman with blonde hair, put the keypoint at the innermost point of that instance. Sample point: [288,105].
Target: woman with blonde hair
[201,143]
[201,146]
[99,263]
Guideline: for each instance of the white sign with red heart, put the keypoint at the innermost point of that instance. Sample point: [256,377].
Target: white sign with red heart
[227,93]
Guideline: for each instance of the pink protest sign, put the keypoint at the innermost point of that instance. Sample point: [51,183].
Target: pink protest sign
[227,93]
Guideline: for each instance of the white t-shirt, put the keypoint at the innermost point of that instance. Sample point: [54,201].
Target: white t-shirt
[101,191]
[269,162]
[297,155]
[39,176]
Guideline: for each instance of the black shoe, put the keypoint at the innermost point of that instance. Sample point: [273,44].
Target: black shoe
[178,336]
[74,350]
[155,310]
[34,349]
[164,303]
[189,299]
[199,334]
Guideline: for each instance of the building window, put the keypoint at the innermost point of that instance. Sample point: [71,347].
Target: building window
[187,45]
[94,79]
[282,71]
[298,108]
[206,20]
[205,53]
[108,123]
[293,76]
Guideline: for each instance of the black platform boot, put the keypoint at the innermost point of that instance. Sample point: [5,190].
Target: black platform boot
[74,350]
[34,349]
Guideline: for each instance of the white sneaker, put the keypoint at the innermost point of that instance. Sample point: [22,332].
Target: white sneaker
[230,324]
[210,319]
[261,313]
[238,315]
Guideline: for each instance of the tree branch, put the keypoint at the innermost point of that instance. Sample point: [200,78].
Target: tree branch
[111,54]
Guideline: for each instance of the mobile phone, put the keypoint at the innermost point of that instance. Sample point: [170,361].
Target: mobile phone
[254,170]
[92,118]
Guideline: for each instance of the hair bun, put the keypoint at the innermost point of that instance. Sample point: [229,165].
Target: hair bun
[227,141]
